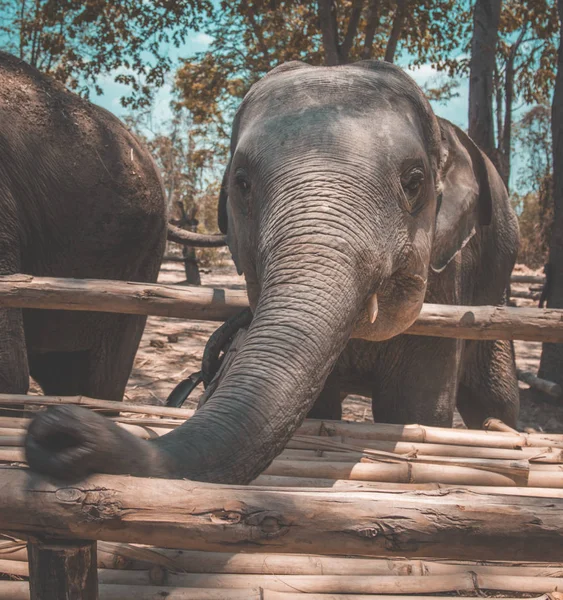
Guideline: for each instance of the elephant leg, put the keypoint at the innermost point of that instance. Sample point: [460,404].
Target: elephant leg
[417,380]
[489,386]
[102,371]
[329,403]
[111,359]
[60,373]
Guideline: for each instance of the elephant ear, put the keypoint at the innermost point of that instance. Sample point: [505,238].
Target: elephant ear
[222,218]
[465,202]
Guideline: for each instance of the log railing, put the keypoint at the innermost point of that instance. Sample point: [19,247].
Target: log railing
[452,523]
[349,513]
[214,304]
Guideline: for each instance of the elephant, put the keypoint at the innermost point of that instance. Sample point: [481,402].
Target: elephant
[80,197]
[346,203]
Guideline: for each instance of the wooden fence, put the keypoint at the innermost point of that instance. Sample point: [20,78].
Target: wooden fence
[357,489]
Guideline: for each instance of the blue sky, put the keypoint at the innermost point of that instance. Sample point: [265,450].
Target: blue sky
[455,109]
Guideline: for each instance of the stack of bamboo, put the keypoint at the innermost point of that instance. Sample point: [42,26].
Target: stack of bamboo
[360,489]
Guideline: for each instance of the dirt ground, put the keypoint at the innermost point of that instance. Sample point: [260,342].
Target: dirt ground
[171,349]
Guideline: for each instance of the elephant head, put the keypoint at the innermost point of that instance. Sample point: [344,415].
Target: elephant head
[343,190]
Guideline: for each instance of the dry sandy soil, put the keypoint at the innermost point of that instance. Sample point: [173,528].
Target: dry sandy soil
[171,349]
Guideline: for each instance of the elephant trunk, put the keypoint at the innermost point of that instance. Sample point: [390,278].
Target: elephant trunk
[198,240]
[302,323]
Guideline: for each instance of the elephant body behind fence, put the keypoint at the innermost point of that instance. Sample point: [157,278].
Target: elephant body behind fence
[79,197]
[346,204]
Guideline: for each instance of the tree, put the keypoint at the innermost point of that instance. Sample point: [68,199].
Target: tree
[535,206]
[190,166]
[77,41]
[551,365]
[524,67]
[486,18]
[250,37]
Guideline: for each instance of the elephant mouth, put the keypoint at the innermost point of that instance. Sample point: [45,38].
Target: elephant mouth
[393,309]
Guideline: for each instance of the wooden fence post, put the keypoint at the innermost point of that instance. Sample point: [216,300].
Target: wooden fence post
[62,570]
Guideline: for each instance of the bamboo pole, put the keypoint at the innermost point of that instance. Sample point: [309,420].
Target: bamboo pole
[527,279]
[136,558]
[15,590]
[110,405]
[322,444]
[280,481]
[344,584]
[466,322]
[492,424]
[528,295]
[320,428]
[426,434]
[413,472]
[333,584]
[537,383]
[452,523]
[12,590]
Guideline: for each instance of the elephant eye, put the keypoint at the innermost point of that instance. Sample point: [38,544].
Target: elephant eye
[242,181]
[412,182]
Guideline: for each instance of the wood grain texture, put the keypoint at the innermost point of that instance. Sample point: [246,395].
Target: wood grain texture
[215,304]
[195,516]
[62,570]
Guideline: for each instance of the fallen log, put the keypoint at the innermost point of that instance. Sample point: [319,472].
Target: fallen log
[537,383]
[198,516]
[438,320]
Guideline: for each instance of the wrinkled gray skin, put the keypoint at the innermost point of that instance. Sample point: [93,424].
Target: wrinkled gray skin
[333,194]
[79,197]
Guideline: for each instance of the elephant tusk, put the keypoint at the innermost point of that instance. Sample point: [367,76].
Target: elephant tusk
[373,308]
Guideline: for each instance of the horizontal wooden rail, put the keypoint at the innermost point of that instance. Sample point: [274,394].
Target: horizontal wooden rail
[197,516]
[214,304]
[527,279]
[199,303]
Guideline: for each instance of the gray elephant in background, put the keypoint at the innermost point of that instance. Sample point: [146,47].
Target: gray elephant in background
[346,204]
[79,197]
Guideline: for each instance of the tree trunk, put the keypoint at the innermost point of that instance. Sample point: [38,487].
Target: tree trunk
[483,51]
[190,266]
[396,30]
[371,27]
[329,28]
[551,365]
